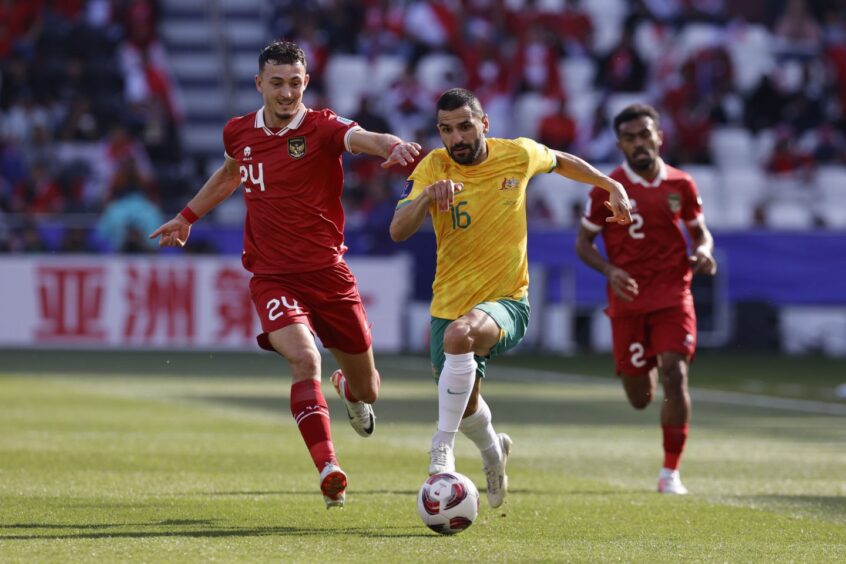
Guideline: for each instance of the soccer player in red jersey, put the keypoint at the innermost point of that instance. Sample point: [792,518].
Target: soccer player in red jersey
[288,159]
[653,322]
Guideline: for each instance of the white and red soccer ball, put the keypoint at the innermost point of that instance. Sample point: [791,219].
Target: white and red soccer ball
[448,502]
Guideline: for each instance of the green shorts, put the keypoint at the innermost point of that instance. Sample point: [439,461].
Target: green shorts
[511,316]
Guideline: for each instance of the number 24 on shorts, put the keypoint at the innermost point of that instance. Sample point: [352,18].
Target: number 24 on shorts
[273,305]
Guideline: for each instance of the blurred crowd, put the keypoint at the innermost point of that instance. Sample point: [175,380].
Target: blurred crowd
[90,115]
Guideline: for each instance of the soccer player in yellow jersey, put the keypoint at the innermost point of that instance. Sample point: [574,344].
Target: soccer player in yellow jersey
[475,191]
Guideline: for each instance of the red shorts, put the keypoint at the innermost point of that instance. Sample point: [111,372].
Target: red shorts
[639,339]
[326,301]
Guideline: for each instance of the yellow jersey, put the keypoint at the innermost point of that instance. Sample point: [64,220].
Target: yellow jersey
[481,240]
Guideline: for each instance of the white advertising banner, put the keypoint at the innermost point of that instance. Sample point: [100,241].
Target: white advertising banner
[173,302]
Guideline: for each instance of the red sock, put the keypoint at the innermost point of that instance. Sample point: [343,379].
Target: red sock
[308,406]
[674,438]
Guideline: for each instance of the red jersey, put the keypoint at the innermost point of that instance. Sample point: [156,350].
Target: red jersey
[652,249]
[292,181]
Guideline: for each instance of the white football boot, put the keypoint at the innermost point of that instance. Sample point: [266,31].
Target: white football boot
[669,482]
[362,418]
[441,459]
[496,477]
[333,484]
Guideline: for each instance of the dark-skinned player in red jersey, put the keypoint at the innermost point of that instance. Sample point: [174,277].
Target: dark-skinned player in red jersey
[288,159]
[649,270]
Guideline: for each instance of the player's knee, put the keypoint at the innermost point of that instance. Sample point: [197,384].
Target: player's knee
[457,338]
[305,364]
[640,400]
[674,378]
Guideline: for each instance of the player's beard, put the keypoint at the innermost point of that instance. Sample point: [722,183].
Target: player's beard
[471,155]
[641,161]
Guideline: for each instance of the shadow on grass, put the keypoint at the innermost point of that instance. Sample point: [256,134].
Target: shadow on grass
[210,532]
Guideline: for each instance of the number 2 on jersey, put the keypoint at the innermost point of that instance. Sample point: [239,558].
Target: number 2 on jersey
[634,228]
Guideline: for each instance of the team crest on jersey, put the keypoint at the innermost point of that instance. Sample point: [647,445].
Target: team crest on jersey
[674,201]
[247,152]
[509,184]
[409,184]
[297,147]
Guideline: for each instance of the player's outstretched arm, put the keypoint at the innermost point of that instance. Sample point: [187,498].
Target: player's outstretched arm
[702,261]
[573,167]
[621,283]
[217,188]
[409,217]
[394,150]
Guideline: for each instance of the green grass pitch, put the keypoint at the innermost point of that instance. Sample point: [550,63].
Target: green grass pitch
[175,457]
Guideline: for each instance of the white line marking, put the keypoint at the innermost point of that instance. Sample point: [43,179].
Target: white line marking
[514,374]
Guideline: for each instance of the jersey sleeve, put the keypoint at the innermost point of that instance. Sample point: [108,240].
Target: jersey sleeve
[541,159]
[595,210]
[417,182]
[338,130]
[229,139]
[691,211]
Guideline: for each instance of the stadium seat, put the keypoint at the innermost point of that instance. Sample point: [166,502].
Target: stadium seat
[751,51]
[559,195]
[384,70]
[344,85]
[607,18]
[576,76]
[831,188]
[807,329]
[695,37]
[789,215]
[742,190]
[529,109]
[709,182]
[732,146]
[437,72]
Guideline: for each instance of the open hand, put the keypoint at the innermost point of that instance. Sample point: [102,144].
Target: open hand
[402,154]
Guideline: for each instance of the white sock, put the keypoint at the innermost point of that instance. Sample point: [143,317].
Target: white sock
[454,387]
[479,429]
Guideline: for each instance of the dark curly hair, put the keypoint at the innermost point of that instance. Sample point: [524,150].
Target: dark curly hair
[635,111]
[281,53]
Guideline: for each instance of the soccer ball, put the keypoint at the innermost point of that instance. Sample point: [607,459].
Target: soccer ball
[448,502]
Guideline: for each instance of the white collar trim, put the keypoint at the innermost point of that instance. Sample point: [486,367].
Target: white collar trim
[295,122]
[635,178]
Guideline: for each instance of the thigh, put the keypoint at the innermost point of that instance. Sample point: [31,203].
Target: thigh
[633,355]
[673,330]
[279,302]
[338,316]
[512,318]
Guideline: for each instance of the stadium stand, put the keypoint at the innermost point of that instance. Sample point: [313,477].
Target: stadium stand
[752,94]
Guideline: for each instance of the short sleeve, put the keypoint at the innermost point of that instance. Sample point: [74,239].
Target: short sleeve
[595,210]
[338,130]
[692,204]
[541,159]
[417,182]
[229,139]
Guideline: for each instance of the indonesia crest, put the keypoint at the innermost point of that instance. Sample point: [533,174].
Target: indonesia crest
[297,147]
[674,201]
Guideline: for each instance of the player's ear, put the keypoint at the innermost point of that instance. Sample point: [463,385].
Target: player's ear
[258,82]
[486,123]
[660,138]
[305,81]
